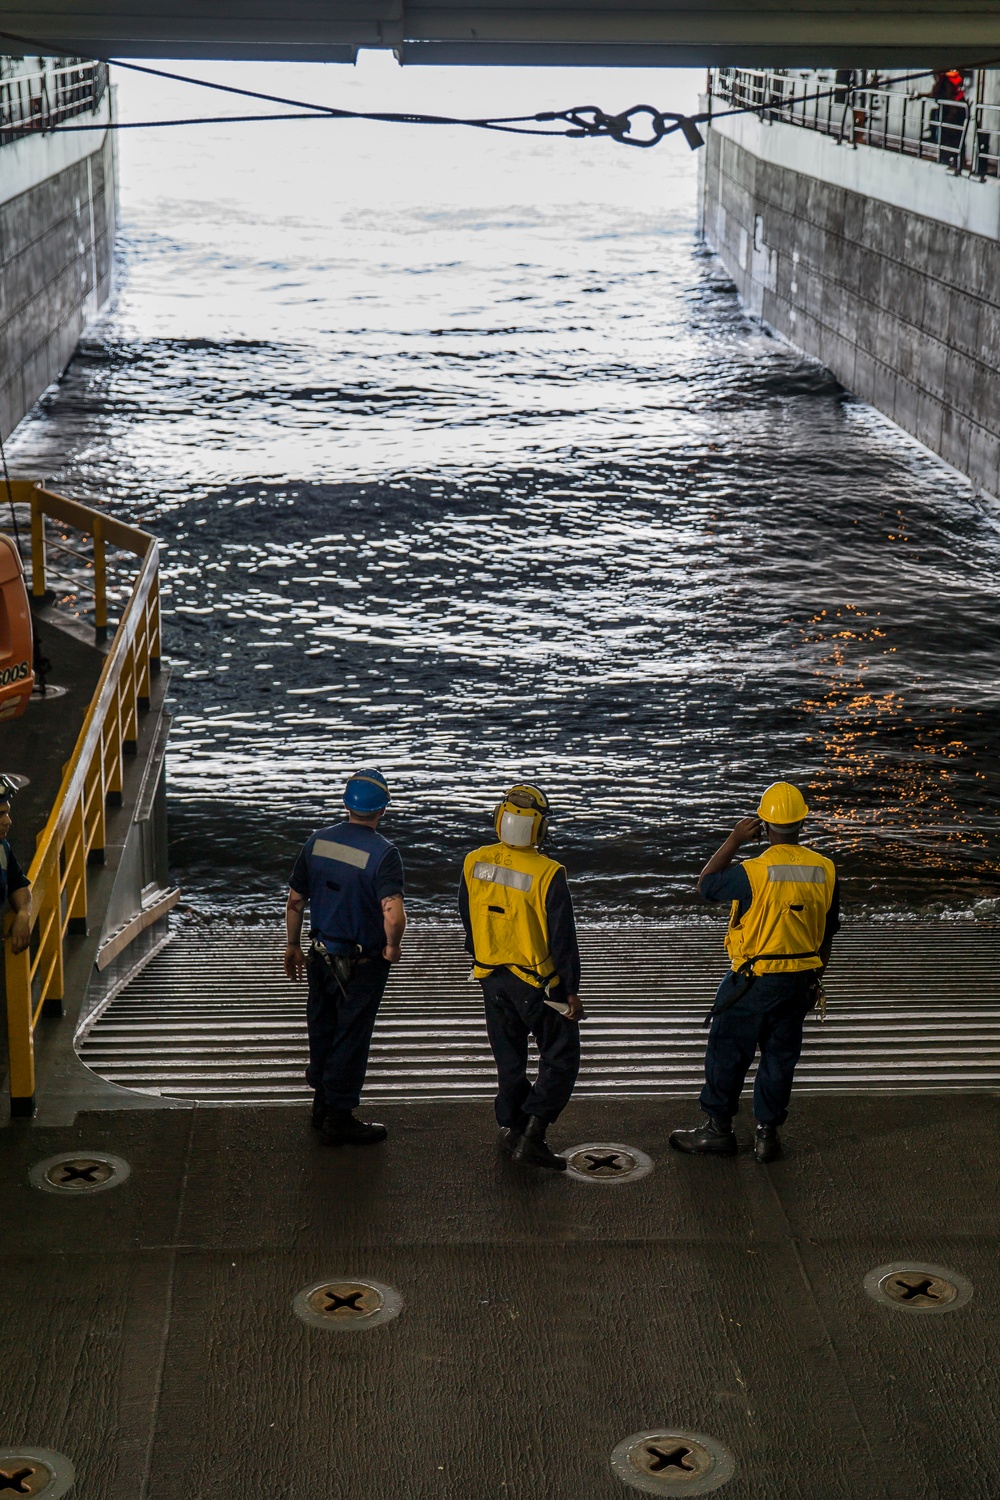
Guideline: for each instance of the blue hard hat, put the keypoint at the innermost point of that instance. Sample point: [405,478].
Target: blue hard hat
[366,792]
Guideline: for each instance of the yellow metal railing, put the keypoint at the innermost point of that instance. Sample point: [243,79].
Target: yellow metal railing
[93,777]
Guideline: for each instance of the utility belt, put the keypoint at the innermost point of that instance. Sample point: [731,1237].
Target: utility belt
[744,977]
[341,965]
[531,976]
[548,989]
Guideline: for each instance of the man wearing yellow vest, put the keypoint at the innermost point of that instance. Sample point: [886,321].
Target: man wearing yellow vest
[785,911]
[518,917]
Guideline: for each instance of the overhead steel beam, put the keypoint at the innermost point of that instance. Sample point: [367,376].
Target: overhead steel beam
[643,33]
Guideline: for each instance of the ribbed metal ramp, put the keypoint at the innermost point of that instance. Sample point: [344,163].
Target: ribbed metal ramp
[211,1017]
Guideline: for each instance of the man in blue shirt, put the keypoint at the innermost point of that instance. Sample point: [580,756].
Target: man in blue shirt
[14,888]
[351,878]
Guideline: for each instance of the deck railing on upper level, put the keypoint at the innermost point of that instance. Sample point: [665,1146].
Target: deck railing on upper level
[962,136]
[38,101]
[74,835]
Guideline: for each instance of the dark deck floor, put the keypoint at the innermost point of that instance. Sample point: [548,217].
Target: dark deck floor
[147,1332]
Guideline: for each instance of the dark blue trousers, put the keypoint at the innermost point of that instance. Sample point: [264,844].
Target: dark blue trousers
[340,1029]
[514,1011]
[769,1016]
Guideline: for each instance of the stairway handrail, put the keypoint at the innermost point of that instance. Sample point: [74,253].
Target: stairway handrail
[74,835]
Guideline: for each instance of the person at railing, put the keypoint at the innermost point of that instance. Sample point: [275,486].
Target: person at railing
[351,878]
[845,85]
[15,891]
[948,119]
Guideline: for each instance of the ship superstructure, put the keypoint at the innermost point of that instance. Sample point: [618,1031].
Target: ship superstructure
[859,216]
[57,218]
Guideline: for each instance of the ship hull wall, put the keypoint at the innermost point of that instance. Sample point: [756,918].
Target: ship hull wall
[56,255]
[886,269]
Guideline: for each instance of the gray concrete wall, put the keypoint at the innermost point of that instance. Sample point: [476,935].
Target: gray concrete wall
[56,248]
[902,307]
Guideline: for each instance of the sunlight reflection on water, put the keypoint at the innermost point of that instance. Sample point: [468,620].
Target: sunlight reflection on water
[468,464]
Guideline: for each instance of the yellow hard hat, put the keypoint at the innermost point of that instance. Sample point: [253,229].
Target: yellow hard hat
[782,803]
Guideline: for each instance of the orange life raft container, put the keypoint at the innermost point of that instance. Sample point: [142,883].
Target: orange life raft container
[17,677]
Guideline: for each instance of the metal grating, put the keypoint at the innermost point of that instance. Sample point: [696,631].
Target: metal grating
[211,1017]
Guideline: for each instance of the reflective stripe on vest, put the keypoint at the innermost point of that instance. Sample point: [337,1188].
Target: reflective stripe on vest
[507,890]
[343,853]
[515,880]
[782,929]
[798,874]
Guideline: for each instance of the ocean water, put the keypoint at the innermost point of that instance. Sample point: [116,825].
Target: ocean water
[467,464]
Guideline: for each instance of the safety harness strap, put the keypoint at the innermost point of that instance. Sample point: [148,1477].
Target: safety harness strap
[748,963]
[543,980]
[746,973]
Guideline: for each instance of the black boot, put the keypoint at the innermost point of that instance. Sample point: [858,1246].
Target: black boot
[510,1135]
[532,1149]
[340,1128]
[766,1143]
[714,1138]
[318,1110]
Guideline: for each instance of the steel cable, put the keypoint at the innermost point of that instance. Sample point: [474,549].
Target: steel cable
[579,122]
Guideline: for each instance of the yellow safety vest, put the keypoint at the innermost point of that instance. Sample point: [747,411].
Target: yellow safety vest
[782,928]
[507,890]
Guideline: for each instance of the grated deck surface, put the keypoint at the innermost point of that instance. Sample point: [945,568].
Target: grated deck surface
[212,1017]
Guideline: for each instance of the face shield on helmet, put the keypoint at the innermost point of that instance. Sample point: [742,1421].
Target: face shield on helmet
[522,818]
